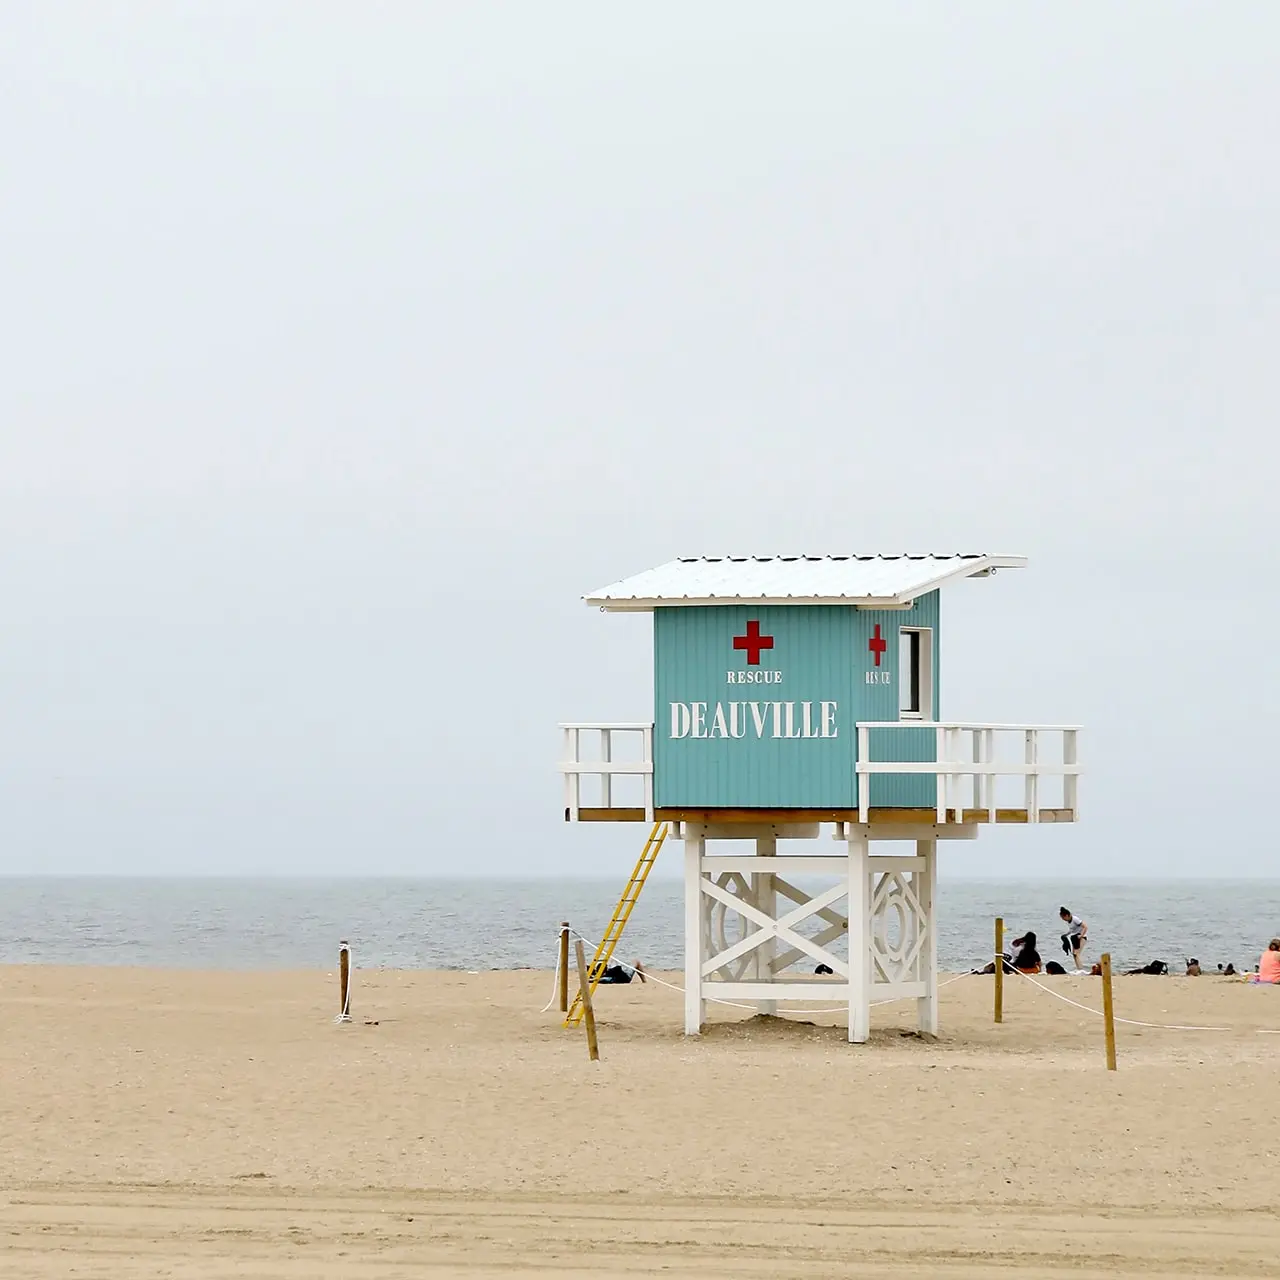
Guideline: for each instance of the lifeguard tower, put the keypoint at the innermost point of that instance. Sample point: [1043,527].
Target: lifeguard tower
[793,693]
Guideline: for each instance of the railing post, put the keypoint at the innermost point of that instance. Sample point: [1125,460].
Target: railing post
[950,778]
[979,779]
[1033,778]
[566,754]
[861,779]
[1070,781]
[575,778]
[939,754]
[956,754]
[989,751]
[647,753]
[606,757]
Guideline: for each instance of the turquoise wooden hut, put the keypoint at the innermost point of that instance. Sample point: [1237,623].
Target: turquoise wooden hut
[793,693]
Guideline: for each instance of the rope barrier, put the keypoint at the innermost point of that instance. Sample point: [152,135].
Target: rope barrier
[750,1008]
[1097,1013]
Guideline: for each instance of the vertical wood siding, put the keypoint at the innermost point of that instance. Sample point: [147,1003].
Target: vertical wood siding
[820,654]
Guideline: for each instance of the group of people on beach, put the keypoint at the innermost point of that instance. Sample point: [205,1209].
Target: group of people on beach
[1266,971]
[1024,958]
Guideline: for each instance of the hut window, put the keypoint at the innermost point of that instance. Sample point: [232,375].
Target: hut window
[915,672]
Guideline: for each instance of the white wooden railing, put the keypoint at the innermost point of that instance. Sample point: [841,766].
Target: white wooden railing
[604,766]
[964,761]
[964,764]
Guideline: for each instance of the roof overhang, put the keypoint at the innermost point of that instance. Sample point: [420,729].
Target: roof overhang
[660,588]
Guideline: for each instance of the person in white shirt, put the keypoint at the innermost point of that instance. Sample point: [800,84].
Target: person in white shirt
[1074,939]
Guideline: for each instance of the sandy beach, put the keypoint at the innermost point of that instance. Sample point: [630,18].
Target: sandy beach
[219,1124]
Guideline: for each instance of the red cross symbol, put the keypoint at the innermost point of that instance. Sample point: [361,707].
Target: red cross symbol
[875,644]
[753,642]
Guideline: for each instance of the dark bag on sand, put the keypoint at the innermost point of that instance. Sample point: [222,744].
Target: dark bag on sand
[1054,967]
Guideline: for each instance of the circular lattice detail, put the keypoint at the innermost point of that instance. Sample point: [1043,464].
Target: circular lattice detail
[891,929]
[898,928]
[728,926]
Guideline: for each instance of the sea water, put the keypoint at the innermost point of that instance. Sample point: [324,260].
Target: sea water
[492,924]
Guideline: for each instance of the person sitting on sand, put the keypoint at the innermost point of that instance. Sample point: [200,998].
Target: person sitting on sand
[616,973]
[1074,939]
[1269,964]
[1026,959]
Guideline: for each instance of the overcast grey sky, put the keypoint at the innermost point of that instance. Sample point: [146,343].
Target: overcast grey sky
[346,346]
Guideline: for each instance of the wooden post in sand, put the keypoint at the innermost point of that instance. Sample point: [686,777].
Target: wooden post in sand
[1108,1011]
[999,1010]
[564,966]
[344,981]
[589,1014]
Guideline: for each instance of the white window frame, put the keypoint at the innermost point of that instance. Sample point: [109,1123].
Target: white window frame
[925,651]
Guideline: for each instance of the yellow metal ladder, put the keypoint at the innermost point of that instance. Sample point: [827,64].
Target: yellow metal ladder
[621,914]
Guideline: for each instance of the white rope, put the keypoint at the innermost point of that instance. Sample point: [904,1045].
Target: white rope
[555,981]
[750,1008]
[1129,1022]
[671,986]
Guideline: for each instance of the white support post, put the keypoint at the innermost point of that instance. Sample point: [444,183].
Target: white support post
[694,1006]
[859,938]
[979,779]
[766,900]
[606,779]
[927,879]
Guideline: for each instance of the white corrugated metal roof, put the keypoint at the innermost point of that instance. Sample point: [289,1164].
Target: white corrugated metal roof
[872,581]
